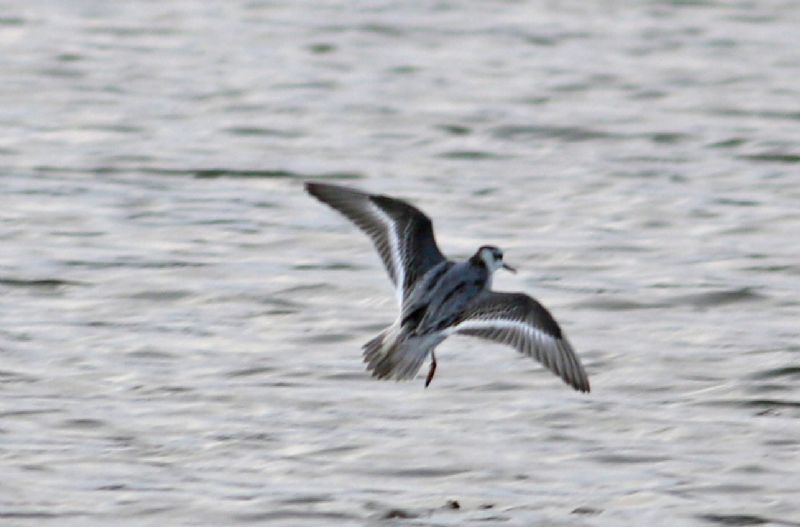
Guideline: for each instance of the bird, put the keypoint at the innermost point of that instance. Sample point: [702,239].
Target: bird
[439,297]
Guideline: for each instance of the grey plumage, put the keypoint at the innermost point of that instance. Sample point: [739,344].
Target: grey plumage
[439,297]
[385,220]
[520,321]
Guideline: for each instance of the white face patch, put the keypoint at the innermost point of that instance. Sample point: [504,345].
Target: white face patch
[492,263]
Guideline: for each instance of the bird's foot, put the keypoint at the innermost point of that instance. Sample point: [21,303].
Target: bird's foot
[431,371]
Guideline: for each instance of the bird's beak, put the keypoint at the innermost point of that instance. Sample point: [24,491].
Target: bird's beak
[509,268]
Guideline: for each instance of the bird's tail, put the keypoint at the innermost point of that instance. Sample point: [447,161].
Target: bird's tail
[391,355]
[372,349]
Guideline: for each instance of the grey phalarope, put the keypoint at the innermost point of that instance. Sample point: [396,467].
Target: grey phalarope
[439,297]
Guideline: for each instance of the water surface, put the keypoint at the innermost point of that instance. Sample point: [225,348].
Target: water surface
[180,324]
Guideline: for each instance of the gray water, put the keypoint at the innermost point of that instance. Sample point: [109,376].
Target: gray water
[180,325]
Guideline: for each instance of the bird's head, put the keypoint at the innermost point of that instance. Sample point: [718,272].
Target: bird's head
[492,257]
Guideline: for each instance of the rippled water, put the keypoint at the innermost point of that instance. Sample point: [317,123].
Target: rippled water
[180,327]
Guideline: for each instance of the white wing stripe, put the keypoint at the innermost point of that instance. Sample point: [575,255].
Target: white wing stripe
[554,352]
[537,336]
[394,249]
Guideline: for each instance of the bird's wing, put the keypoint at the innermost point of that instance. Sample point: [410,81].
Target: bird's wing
[520,321]
[401,233]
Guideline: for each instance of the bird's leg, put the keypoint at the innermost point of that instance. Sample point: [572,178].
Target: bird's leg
[431,371]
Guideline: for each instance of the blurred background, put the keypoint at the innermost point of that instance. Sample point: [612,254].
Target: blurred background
[180,325]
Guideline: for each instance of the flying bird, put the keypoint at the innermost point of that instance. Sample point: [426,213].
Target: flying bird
[439,297]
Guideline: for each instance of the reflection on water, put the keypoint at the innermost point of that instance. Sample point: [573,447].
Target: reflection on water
[181,324]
